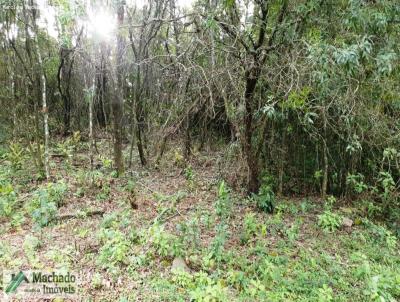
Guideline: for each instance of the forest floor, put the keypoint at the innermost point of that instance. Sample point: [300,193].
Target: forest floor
[123,235]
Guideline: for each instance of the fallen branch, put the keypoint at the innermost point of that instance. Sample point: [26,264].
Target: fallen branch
[79,215]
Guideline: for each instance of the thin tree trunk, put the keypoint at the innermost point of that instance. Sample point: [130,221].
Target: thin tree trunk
[13,102]
[325,154]
[117,103]
[44,102]
[162,148]
[281,164]
[100,86]
[132,142]
[139,120]
[140,142]
[91,136]
[187,138]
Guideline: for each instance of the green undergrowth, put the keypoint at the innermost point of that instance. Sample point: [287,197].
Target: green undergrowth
[235,249]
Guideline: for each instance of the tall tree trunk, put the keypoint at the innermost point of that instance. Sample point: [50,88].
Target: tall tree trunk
[139,120]
[188,142]
[325,154]
[33,81]
[139,133]
[117,102]
[13,99]
[45,110]
[252,75]
[132,142]
[91,137]
[64,77]
[249,152]
[281,164]
[100,91]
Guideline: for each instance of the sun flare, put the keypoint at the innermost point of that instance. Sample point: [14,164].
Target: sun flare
[102,24]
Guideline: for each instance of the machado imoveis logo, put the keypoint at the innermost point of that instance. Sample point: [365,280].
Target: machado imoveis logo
[41,284]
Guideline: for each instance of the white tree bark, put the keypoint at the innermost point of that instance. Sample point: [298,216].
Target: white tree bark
[14,102]
[44,102]
[91,137]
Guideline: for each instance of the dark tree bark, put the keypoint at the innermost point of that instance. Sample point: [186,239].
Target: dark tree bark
[188,140]
[257,51]
[63,85]
[64,76]
[140,45]
[252,77]
[139,128]
[101,84]
[117,102]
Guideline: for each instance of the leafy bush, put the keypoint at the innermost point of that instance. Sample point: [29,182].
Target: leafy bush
[179,159]
[117,238]
[207,289]
[293,232]
[41,209]
[189,233]
[104,193]
[384,287]
[45,202]
[166,244]
[3,152]
[381,235]
[57,192]
[369,208]
[115,248]
[356,182]
[68,147]
[189,174]
[15,155]
[383,190]
[105,161]
[5,253]
[251,228]
[388,187]
[182,278]
[216,250]
[329,221]
[223,204]
[325,294]
[166,204]
[213,292]
[8,199]
[256,289]
[265,199]
[250,224]
[31,245]
[201,287]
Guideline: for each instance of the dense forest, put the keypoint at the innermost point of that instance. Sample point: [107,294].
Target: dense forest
[205,150]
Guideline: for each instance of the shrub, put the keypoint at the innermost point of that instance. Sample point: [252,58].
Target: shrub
[383,287]
[210,292]
[356,183]
[166,244]
[7,200]
[42,209]
[15,155]
[217,245]
[381,235]
[265,199]
[223,204]
[45,202]
[329,221]
[115,248]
